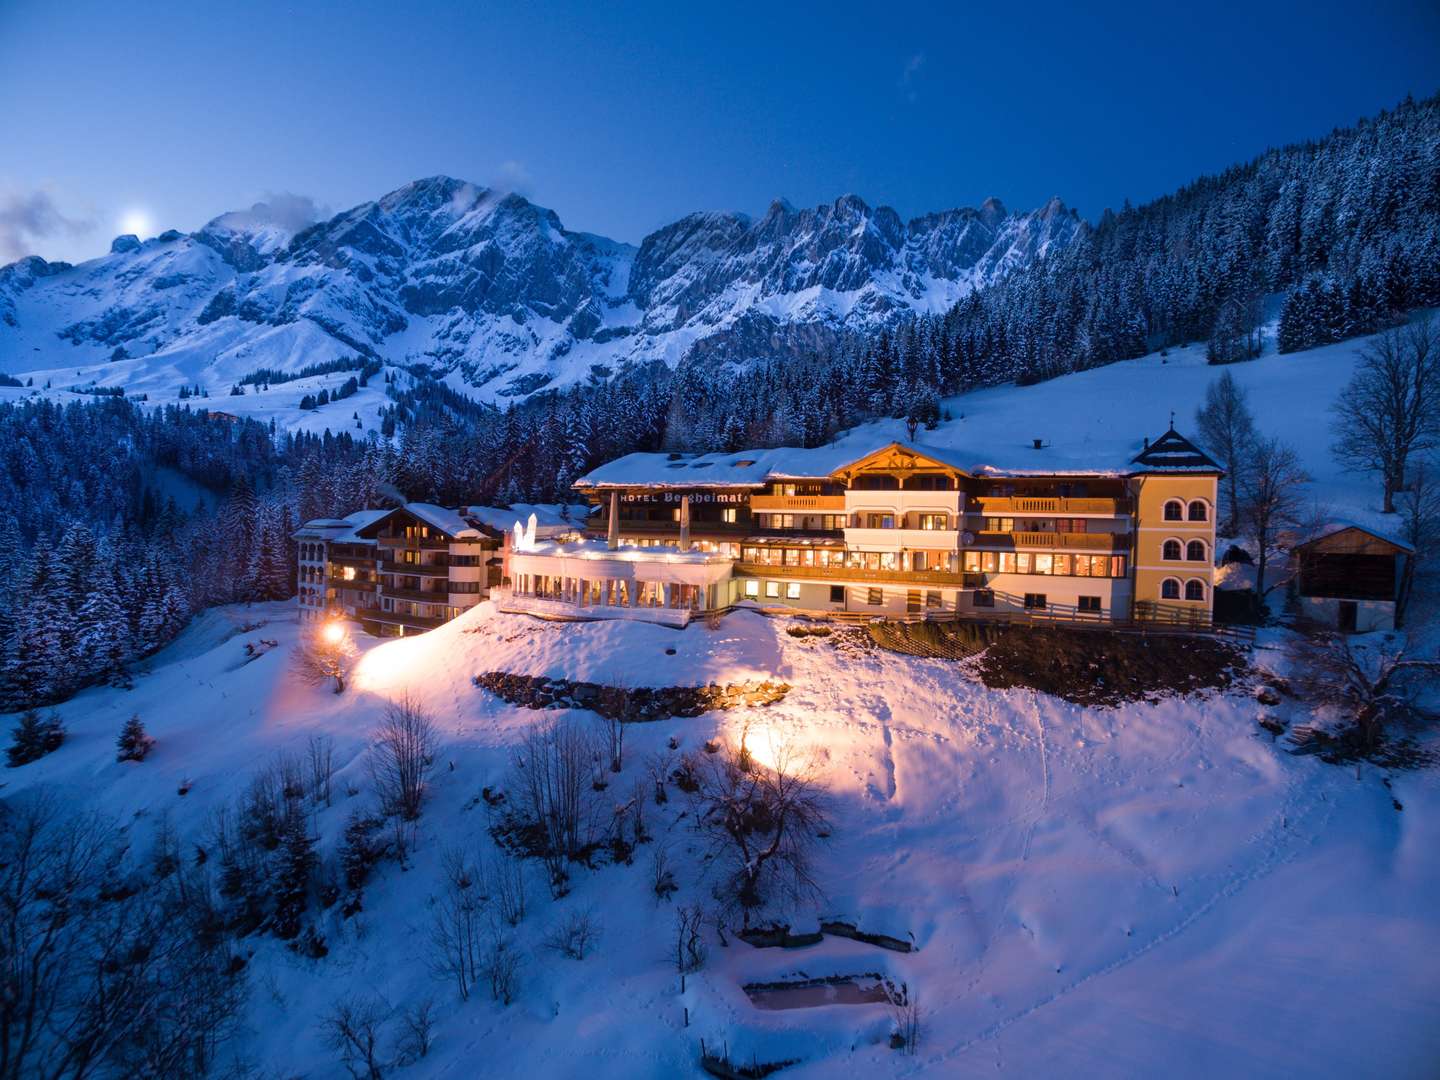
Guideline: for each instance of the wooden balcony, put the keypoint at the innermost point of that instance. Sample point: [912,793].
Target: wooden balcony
[1052,541]
[423,596]
[851,573]
[359,562]
[995,505]
[396,618]
[814,504]
[388,566]
[432,543]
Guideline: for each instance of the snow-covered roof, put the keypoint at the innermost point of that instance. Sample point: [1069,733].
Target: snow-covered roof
[549,517]
[443,518]
[339,530]
[1335,525]
[1172,452]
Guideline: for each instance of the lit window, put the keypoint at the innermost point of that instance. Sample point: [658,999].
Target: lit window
[772,588]
[729,515]
[792,590]
[752,587]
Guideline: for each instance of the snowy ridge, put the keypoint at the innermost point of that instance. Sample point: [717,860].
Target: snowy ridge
[493,292]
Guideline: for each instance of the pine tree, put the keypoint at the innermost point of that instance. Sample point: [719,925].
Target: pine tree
[34,737]
[295,867]
[134,743]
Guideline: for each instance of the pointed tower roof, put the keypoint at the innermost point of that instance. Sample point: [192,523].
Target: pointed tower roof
[1172,452]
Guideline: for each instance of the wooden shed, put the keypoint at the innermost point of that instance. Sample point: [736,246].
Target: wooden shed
[1349,578]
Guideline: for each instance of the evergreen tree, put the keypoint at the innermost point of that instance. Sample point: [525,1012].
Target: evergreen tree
[34,737]
[134,743]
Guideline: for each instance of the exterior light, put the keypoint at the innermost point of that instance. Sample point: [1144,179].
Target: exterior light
[333,632]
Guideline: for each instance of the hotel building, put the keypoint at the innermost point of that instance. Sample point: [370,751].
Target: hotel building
[405,570]
[898,531]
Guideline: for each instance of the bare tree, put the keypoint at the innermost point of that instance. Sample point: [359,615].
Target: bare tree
[1228,430]
[762,823]
[505,885]
[456,922]
[320,756]
[418,1030]
[402,753]
[321,656]
[575,935]
[689,945]
[1269,498]
[554,793]
[352,1028]
[500,966]
[1364,679]
[1419,507]
[133,981]
[613,730]
[1390,409]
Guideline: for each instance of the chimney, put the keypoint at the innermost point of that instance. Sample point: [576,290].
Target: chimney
[1147,442]
[1039,443]
[612,539]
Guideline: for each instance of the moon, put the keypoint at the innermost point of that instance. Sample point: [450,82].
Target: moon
[136,220]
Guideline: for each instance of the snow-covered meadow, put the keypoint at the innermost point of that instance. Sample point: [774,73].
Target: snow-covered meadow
[1090,892]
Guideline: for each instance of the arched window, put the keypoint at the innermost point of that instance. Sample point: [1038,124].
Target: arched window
[1174,510]
[1195,551]
[1169,589]
[1171,550]
[1199,511]
[1194,589]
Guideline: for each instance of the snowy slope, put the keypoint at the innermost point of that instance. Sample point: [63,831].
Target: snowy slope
[1123,892]
[492,291]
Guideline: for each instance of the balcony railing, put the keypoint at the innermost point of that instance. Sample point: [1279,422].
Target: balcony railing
[851,573]
[389,566]
[430,543]
[398,618]
[424,596]
[1053,541]
[825,504]
[359,562]
[988,504]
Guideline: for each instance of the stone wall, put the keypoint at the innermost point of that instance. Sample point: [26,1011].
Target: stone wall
[627,703]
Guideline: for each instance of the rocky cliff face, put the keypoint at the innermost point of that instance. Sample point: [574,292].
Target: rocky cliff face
[495,293]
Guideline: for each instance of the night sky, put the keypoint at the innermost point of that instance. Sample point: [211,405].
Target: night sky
[142,117]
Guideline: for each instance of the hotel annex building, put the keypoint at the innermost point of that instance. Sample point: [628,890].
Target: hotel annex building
[899,531]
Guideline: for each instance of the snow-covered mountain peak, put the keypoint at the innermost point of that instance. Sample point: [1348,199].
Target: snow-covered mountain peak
[493,291]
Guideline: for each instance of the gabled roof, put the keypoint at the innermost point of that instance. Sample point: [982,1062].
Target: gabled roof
[1335,528]
[338,530]
[899,458]
[447,521]
[1172,452]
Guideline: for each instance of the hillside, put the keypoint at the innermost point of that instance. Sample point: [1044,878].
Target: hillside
[492,292]
[1106,888]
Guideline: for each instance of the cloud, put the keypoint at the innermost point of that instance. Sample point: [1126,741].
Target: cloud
[284,209]
[513,176]
[30,219]
[910,76]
